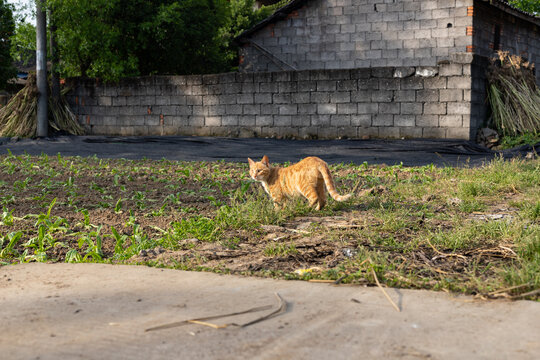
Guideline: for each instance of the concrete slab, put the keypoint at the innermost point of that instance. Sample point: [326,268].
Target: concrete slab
[97,311]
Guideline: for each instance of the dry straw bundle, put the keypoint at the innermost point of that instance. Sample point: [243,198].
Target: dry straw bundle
[513,95]
[19,117]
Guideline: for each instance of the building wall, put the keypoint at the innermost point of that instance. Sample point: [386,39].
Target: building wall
[346,34]
[496,30]
[379,102]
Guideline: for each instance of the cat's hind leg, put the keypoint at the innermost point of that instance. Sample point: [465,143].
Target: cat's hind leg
[311,195]
[321,193]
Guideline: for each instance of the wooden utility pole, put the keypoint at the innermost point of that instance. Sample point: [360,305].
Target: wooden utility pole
[41,69]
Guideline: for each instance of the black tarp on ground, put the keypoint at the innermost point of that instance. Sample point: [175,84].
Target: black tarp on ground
[390,152]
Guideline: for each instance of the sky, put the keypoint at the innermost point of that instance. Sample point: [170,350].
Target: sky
[23,8]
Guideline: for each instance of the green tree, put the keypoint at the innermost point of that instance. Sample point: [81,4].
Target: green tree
[530,6]
[116,38]
[23,42]
[7,27]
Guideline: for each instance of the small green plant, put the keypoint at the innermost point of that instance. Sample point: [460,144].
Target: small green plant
[10,240]
[272,250]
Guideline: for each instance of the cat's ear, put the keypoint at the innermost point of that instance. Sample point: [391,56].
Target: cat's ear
[251,162]
[265,161]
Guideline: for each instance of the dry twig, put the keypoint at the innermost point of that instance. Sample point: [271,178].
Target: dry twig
[203,321]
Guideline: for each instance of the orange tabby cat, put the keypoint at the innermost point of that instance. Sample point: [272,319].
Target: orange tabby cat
[307,178]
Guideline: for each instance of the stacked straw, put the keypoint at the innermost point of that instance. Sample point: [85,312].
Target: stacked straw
[513,96]
[19,116]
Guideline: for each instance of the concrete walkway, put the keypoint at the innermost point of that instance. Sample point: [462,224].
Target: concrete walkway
[95,311]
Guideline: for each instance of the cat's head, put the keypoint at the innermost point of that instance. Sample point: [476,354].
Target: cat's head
[259,170]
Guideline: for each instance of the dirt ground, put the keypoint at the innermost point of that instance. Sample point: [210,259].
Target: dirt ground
[96,311]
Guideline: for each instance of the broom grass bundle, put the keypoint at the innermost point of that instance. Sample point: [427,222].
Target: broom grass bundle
[19,116]
[513,96]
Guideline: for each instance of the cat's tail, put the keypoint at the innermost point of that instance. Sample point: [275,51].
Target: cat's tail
[329,182]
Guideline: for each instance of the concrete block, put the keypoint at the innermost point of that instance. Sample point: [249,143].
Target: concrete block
[459,82]
[320,97]
[307,86]
[249,88]
[347,132]
[368,84]
[389,132]
[346,85]
[326,85]
[184,110]
[368,108]
[244,99]
[262,98]
[197,110]
[264,120]
[451,121]
[289,109]
[404,120]
[320,120]
[326,109]
[348,108]
[307,108]
[404,95]
[447,95]
[383,120]
[433,133]
[412,83]
[216,120]
[300,97]
[269,109]
[308,132]
[340,97]
[382,96]
[437,82]
[410,132]
[327,133]
[450,69]
[226,99]
[389,84]
[412,108]
[286,87]
[282,120]
[389,108]
[251,109]
[282,98]
[427,120]
[233,109]
[426,95]
[458,108]
[340,120]
[434,108]
[463,133]
[271,87]
[194,100]
[362,120]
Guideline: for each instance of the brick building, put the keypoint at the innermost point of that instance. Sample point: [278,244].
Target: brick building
[347,34]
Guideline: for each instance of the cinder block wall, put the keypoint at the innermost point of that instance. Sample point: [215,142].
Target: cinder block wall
[346,34]
[497,30]
[384,102]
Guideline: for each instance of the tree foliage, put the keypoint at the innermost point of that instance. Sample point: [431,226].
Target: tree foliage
[7,28]
[115,38]
[110,39]
[530,6]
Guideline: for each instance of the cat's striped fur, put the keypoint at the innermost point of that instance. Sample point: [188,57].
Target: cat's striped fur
[309,177]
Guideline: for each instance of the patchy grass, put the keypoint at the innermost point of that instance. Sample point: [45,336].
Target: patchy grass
[466,230]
